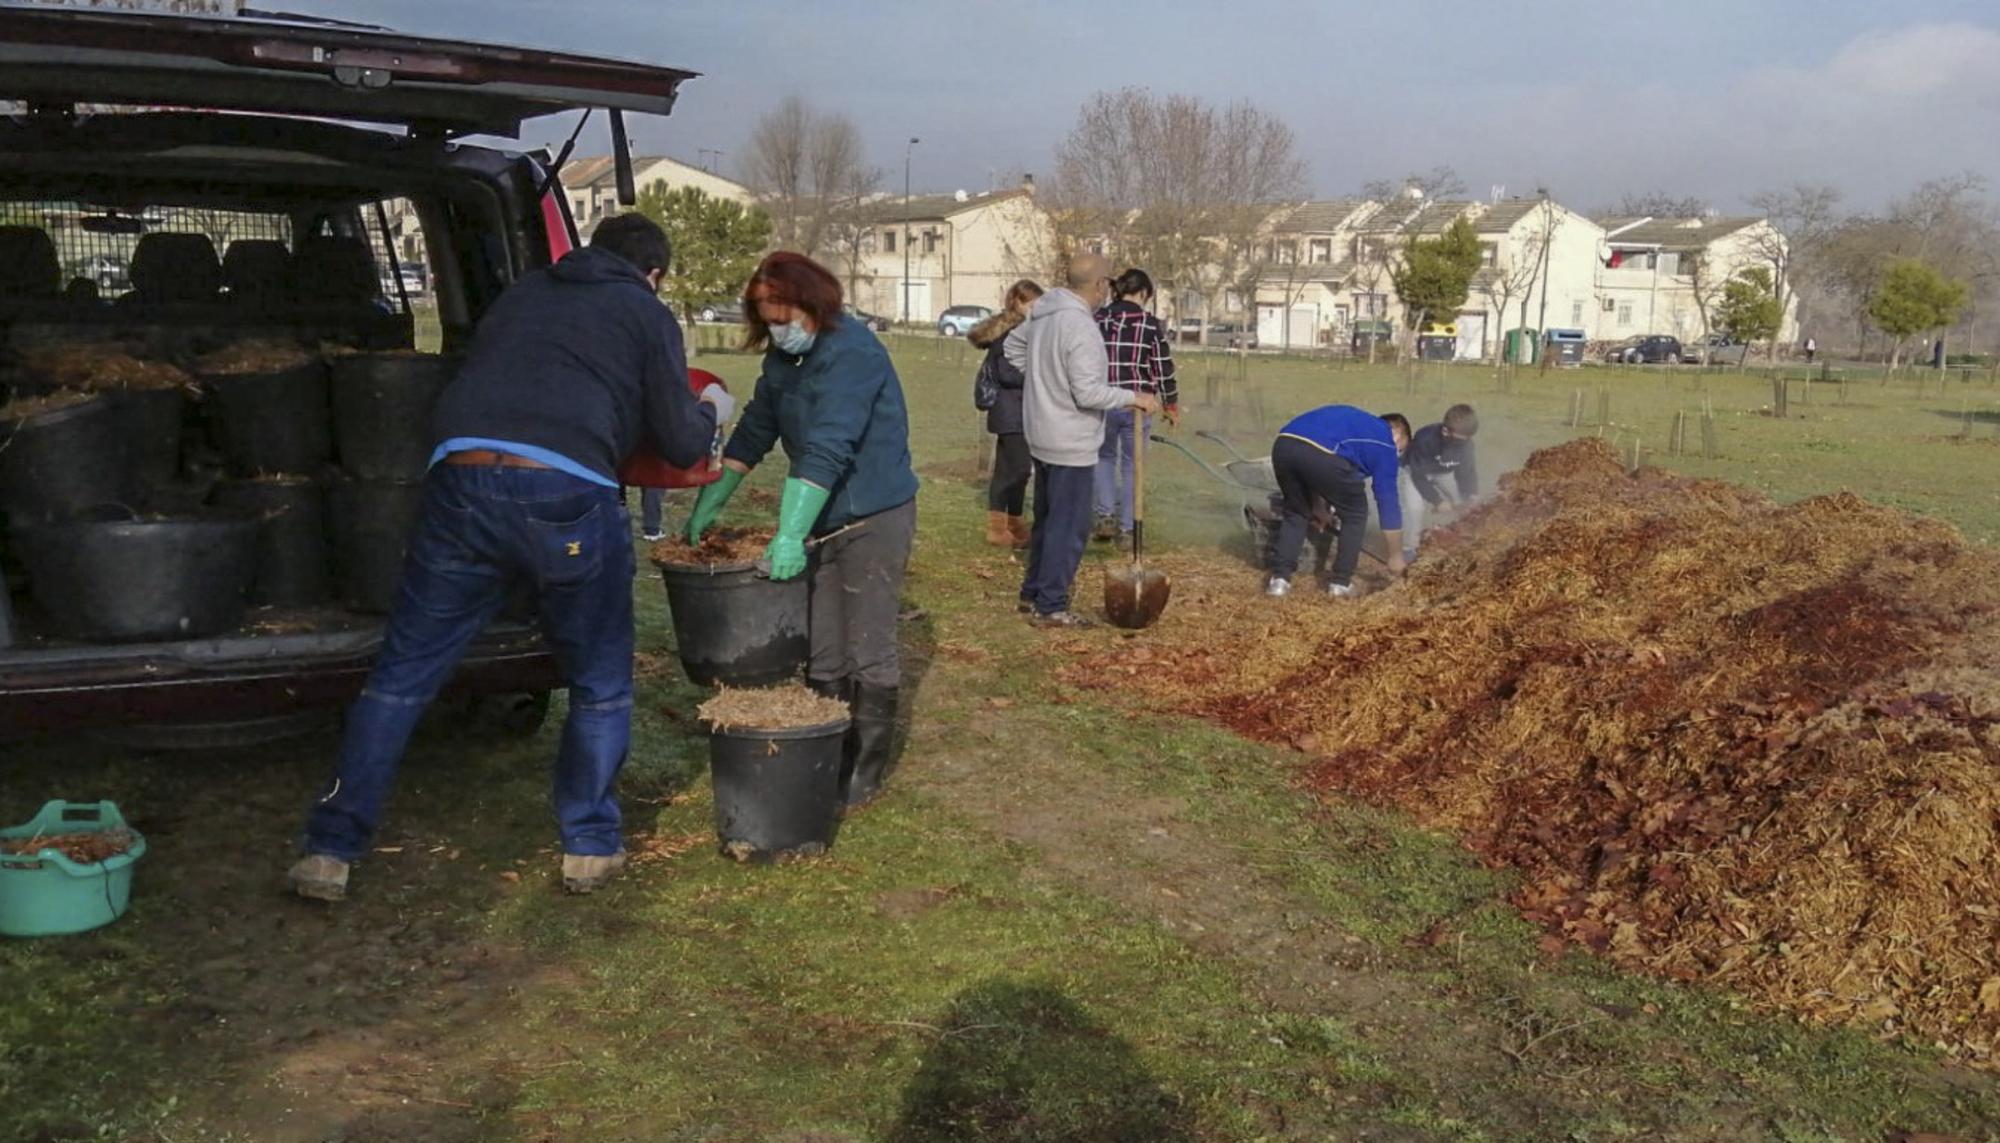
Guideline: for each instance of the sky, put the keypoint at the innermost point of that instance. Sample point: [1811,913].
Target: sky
[1716,99]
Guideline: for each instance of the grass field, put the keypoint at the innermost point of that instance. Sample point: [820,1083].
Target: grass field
[1063,923]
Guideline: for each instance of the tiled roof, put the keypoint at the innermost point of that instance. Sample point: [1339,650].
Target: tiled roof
[934,207]
[1323,217]
[1672,233]
[1502,217]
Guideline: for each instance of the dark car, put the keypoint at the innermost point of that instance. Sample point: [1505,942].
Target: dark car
[727,311]
[1650,349]
[254,202]
[876,322]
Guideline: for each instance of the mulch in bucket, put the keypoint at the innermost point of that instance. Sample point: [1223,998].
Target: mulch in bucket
[67,870]
[733,625]
[774,757]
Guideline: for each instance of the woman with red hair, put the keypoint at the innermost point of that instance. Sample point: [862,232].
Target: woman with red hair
[830,396]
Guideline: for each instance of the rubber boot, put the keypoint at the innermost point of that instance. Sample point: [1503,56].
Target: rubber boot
[839,690]
[1017,527]
[869,744]
[997,532]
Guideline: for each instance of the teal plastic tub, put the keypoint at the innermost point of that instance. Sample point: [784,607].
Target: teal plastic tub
[45,894]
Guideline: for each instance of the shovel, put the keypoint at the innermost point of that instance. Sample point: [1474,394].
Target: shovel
[1135,595]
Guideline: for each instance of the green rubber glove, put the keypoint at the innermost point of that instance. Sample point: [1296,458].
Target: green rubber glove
[797,513]
[708,505]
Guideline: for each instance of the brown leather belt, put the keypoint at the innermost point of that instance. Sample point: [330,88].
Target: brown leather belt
[487,458]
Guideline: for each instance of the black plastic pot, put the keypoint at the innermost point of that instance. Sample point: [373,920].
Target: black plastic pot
[123,580]
[272,422]
[292,554]
[153,420]
[382,412]
[777,792]
[372,522]
[736,627]
[65,462]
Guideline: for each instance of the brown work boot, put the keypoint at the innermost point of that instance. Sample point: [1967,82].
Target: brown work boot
[585,874]
[1017,527]
[996,530]
[319,877]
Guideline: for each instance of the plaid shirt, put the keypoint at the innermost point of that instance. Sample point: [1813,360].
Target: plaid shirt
[1137,346]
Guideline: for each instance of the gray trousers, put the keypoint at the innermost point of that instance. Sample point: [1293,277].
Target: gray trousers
[857,593]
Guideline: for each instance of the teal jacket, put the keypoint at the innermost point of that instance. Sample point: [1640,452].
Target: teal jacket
[839,412]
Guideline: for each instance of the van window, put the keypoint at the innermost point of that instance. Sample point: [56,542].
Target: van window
[95,245]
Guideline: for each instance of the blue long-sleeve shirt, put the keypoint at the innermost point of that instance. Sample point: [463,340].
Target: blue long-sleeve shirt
[839,412]
[1362,439]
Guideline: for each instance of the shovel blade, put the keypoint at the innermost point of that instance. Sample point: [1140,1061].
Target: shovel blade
[1135,595]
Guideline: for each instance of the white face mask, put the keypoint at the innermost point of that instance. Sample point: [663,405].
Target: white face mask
[792,338]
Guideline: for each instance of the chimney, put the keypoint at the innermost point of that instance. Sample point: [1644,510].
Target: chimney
[1028,183]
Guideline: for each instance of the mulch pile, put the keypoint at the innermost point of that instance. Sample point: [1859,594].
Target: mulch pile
[83,848]
[718,546]
[251,357]
[1722,739]
[789,707]
[23,407]
[95,368]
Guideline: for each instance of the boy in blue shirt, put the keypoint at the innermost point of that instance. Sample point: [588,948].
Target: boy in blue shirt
[1337,453]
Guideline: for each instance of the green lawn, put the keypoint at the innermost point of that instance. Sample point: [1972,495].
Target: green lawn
[1063,923]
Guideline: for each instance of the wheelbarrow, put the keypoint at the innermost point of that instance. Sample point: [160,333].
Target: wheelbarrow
[1263,506]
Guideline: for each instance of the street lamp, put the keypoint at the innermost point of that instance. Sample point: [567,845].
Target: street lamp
[906,226]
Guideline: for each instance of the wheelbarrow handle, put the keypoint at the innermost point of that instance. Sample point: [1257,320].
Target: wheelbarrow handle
[1196,457]
[1207,435]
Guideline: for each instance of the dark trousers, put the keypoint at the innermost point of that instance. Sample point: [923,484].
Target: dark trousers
[652,509]
[1305,472]
[857,594]
[1060,535]
[1013,467]
[484,530]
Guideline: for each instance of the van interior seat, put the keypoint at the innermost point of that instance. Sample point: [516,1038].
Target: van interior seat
[258,273]
[335,269]
[171,268]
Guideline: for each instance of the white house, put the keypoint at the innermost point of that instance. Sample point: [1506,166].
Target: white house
[1664,275]
[959,249]
[592,185]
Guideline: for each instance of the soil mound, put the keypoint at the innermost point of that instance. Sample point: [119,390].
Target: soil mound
[1723,739]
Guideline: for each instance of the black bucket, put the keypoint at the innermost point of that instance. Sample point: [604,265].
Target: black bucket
[110,578]
[292,556]
[272,422]
[372,522]
[735,627]
[153,419]
[61,463]
[777,792]
[382,412]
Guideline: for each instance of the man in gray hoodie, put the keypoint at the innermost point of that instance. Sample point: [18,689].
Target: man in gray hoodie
[1061,351]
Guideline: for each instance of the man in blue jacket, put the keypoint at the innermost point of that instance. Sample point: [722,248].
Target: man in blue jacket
[571,370]
[1337,454]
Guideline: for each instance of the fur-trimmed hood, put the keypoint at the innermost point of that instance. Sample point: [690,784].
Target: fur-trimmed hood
[989,332]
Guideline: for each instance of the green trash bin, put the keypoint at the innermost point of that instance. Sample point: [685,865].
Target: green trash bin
[1523,346]
[44,893]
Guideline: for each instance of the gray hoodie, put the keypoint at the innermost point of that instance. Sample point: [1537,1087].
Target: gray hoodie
[1061,351]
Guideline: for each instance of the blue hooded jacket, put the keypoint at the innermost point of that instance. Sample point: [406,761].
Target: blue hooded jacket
[1362,439]
[839,412]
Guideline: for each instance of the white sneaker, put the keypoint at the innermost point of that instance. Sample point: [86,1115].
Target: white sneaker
[1277,587]
[653,537]
[1340,590]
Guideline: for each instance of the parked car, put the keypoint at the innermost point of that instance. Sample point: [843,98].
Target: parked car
[112,275]
[1648,349]
[876,322]
[959,320]
[265,122]
[1713,347]
[412,282]
[729,311]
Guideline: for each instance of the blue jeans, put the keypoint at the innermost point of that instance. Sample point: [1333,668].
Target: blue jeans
[1061,533]
[482,531]
[1113,483]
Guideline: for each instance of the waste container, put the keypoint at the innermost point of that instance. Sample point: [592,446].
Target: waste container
[1438,342]
[1565,347]
[1367,334]
[1523,346]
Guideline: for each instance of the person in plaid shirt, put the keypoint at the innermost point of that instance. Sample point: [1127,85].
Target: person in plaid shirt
[1141,360]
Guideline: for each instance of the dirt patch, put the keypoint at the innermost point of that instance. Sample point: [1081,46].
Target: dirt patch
[790,707]
[909,904]
[1722,739]
[719,547]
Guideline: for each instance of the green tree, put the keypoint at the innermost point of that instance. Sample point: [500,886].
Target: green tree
[1914,298]
[1749,310]
[1435,276]
[716,244]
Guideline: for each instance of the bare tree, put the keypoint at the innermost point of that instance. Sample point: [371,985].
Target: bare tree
[1801,220]
[807,169]
[1438,182]
[1659,204]
[1516,278]
[1175,184]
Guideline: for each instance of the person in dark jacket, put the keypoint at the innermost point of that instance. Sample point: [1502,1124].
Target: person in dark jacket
[1142,361]
[1337,454]
[1013,466]
[830,395]
[571,370]
[1437,451]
